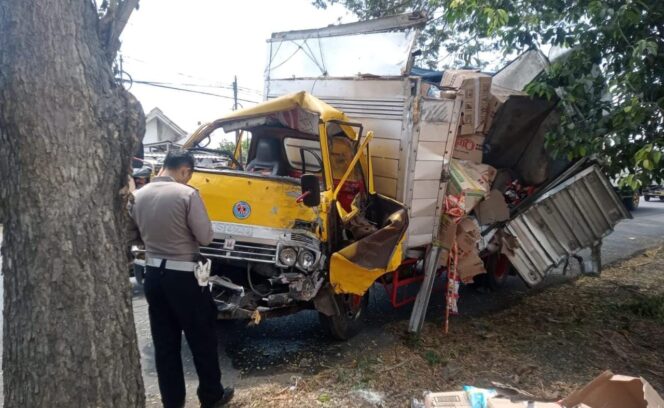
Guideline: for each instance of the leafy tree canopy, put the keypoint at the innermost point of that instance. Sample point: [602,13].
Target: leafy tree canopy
[610,81]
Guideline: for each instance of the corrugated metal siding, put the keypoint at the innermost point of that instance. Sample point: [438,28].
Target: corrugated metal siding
[574,215]
[432,145]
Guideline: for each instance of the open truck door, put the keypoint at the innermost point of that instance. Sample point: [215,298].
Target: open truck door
[355,267]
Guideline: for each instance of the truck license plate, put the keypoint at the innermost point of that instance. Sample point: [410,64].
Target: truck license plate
[229,244]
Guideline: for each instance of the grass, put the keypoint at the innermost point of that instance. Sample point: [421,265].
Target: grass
[548,343]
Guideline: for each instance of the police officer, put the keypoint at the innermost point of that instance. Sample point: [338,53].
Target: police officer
[173,222]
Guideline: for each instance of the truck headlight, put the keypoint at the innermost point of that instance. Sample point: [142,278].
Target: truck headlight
[306,259]
[288,256]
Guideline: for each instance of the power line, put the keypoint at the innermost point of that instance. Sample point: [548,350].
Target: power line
[180,84]
[242,88]
[175,88]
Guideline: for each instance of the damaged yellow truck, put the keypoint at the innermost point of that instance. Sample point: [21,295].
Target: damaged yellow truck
[297,224]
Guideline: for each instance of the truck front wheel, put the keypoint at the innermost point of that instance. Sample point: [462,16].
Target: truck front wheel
[349,321]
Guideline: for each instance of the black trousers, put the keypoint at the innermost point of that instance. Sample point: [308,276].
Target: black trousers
[175,304]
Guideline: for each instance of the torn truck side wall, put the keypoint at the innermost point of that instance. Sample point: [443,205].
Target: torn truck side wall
[574,215]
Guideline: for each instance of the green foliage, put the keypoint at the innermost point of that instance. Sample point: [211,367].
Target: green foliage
[610,80]
[228,147]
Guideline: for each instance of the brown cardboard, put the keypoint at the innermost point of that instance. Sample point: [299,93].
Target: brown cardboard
[492,209]
[471,181]
[497,98]
[447,232]
[469,148]
[506,403]
[467,235]
[615,391]
[475,88]
[470,265]
[458,399]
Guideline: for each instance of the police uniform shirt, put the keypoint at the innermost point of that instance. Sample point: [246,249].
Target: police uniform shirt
[171,219]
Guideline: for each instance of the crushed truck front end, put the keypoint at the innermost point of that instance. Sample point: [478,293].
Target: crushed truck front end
[297,223]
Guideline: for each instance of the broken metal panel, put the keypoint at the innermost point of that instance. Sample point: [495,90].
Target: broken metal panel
[383,54]
[520,72]
[391,23]
[380,47]
[431,152]
[573,215]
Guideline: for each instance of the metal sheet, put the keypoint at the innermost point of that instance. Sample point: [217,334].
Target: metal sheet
[386,53]
[575,214]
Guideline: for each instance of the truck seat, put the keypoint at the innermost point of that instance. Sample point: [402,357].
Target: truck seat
[268,157]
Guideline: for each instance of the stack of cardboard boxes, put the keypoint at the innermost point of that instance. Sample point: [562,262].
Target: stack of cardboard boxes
[470,179]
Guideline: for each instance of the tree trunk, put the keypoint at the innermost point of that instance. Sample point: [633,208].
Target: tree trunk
[67,132]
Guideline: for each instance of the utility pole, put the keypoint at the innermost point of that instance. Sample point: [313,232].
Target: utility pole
[238,135]
[235,93]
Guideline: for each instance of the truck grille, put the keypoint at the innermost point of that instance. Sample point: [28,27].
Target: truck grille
[246,251]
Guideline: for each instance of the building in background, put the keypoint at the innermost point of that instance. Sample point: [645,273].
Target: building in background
[161,133]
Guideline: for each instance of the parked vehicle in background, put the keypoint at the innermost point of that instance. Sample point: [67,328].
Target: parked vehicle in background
[654,191]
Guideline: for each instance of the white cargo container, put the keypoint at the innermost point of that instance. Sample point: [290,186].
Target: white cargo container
[361,69]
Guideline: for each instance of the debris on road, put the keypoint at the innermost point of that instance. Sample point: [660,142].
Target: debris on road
[545,346]
[605,391]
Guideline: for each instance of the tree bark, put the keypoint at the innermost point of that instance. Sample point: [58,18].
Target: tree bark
[67,133]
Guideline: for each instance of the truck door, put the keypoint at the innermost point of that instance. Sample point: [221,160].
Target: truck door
[378,223]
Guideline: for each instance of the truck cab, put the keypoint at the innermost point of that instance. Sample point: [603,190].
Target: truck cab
[298,224]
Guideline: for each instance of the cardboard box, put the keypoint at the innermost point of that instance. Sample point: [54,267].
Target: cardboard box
[506,403]
[475,88]
[458,399]
[471,181]
[492,209]
[497,98]
[467,235]
[447,233]
[469,266]
[469,148]
[615,391]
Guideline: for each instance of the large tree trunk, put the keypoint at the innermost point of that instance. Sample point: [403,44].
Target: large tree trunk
[67,132]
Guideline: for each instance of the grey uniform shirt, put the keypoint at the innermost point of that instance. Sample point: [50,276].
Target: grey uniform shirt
[171,219]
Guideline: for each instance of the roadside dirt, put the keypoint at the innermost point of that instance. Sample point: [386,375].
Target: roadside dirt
[548,343]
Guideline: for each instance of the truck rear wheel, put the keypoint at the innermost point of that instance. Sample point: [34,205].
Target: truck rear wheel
[350,319]
[498,268]
[647,198]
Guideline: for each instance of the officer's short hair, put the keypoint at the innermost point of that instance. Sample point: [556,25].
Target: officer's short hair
[176,158]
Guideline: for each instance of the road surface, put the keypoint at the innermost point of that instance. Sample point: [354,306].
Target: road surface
[295,344]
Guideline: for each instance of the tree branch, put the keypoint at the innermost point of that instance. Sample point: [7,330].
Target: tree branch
[113,23]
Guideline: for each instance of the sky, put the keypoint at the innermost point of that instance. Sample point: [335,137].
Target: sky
[206,42]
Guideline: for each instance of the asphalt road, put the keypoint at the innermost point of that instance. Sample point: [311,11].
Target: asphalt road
[295,344]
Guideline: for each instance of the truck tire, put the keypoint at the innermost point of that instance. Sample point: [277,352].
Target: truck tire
[498,268]
[350,320]
[632,202]
[647,198]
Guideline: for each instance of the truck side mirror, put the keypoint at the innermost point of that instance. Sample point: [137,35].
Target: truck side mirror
[310,190]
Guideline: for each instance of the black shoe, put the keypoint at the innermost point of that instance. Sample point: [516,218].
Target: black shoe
[225,399]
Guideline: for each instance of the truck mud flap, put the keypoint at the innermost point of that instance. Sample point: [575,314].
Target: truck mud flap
[575,214]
